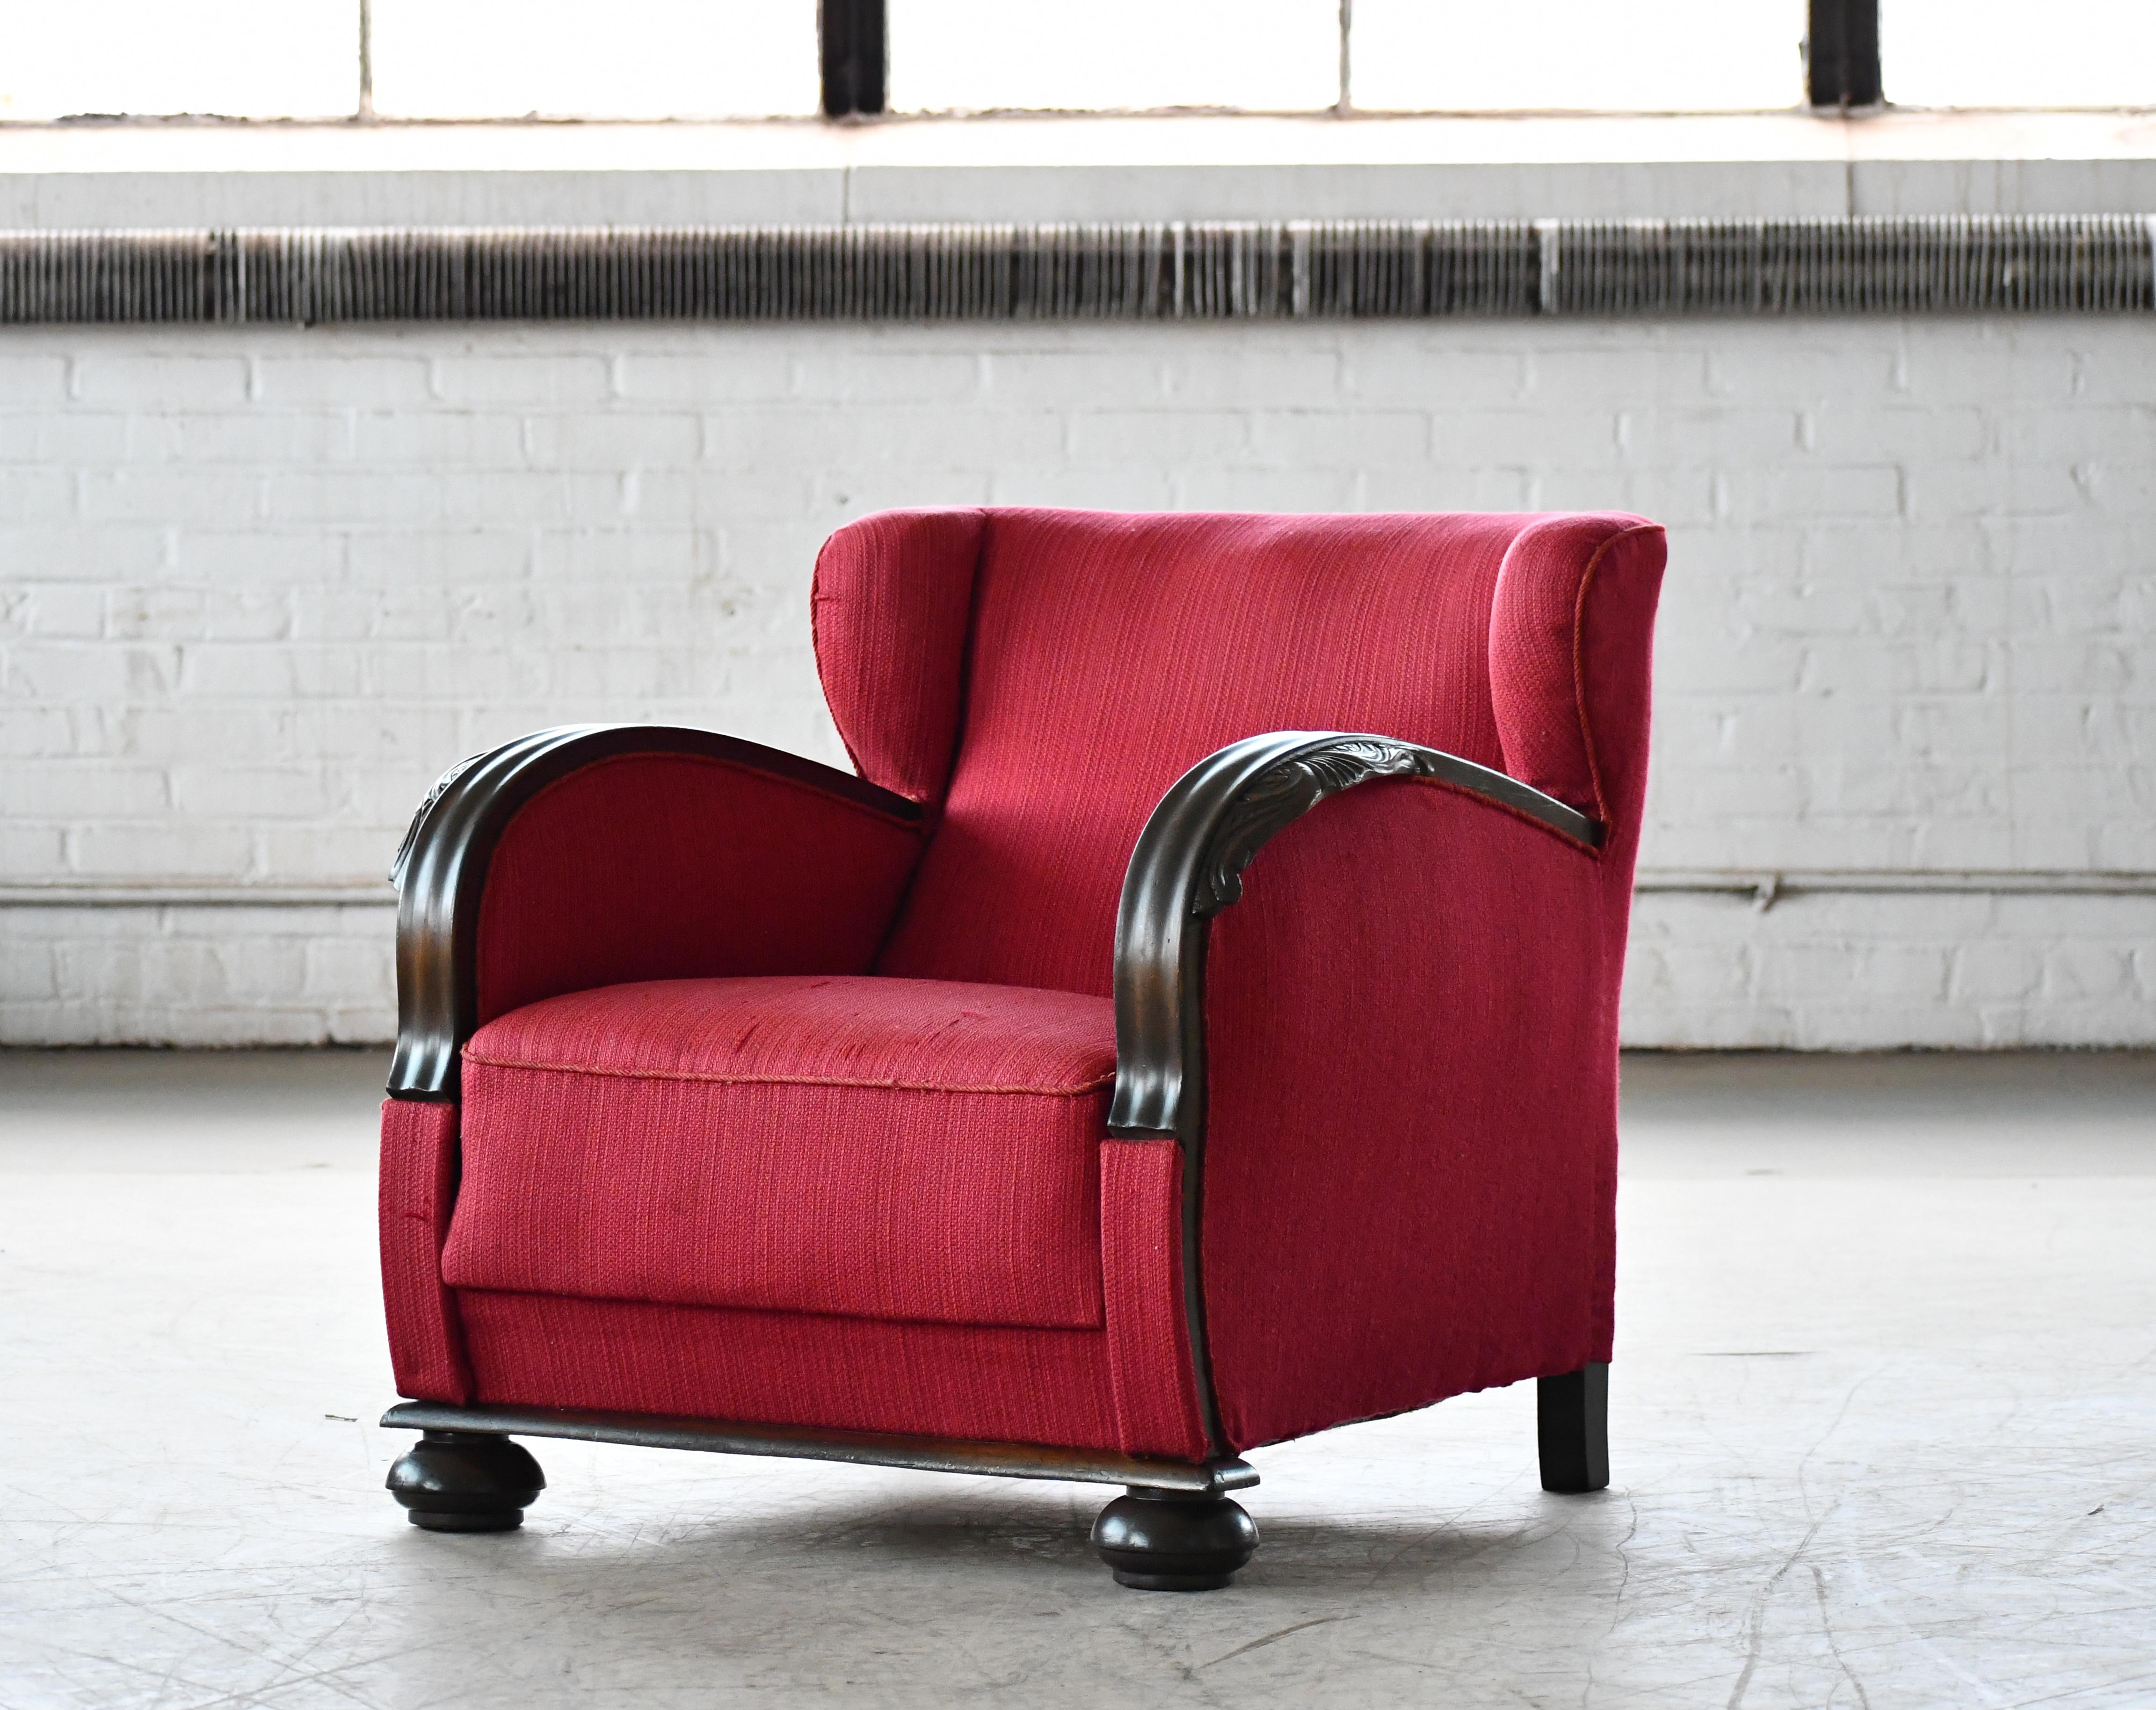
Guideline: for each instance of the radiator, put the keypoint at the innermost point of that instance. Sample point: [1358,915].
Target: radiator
[1187,271]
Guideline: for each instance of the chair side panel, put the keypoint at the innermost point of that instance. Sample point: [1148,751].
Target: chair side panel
[418,1190]
[1142,1270]
[1411,1134]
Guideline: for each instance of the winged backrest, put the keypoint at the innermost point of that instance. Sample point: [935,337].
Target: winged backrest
[1043,676]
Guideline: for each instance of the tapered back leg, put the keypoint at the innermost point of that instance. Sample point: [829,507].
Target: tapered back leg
[1572,1424]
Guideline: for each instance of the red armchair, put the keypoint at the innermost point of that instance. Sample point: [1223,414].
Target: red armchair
[1004,1109]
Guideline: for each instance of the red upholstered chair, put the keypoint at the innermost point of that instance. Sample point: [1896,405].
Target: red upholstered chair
[1196,1026]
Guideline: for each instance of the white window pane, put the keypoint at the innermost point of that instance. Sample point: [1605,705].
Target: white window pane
[1622,55]
[972,55]
[624,59]
[2000,53]
[244,58]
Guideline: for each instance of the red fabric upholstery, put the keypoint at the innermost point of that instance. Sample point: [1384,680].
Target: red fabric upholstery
[1129,1388]
[1410,1178]
[861,1374]
[880,1147]
[798,1195]
[1148,1326]
[1571,632]
[418,1188]
[660,866]
[1111,653]
[892,598]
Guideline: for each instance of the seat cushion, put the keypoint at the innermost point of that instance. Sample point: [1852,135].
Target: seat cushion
[887,1148]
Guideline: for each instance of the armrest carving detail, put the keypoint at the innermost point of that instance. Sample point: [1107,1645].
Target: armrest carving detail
[403,856]
[1291,788]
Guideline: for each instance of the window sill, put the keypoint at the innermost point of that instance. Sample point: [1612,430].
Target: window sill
[1780,165]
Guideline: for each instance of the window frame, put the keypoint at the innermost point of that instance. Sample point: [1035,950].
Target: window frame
[852,44]
[1843,72]
[1841,55]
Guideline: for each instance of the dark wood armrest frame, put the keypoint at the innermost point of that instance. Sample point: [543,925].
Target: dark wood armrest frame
[440,872]
[1187,867]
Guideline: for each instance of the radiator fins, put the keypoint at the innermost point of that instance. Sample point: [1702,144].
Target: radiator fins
[1220,271]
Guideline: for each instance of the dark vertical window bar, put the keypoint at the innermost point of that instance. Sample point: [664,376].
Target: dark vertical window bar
[1842,54]
[856,56]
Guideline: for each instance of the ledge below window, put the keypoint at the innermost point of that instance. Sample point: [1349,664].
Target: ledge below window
[1033,169]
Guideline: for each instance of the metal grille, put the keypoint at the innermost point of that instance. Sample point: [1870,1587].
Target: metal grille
[1286,269]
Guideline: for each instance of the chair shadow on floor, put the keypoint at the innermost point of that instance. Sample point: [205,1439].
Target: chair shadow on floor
[1039,1538]
[965,1596]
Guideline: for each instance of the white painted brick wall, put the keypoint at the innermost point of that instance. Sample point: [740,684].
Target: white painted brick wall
[258,587]
[199,976]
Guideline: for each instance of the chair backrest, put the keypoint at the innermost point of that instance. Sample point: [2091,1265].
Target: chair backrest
[1042,676]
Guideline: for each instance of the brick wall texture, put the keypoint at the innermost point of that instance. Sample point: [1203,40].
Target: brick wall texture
[258,587]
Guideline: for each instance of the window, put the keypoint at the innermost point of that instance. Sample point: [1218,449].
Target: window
[1638,55]
[2000,53]
[649,59]
[627,59]
[976,56]
[246,59]
[429,59]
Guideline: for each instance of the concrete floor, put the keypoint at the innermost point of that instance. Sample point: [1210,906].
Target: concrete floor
[1884,1435]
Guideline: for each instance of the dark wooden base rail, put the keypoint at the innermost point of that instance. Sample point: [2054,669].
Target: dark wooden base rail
[859,1448]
